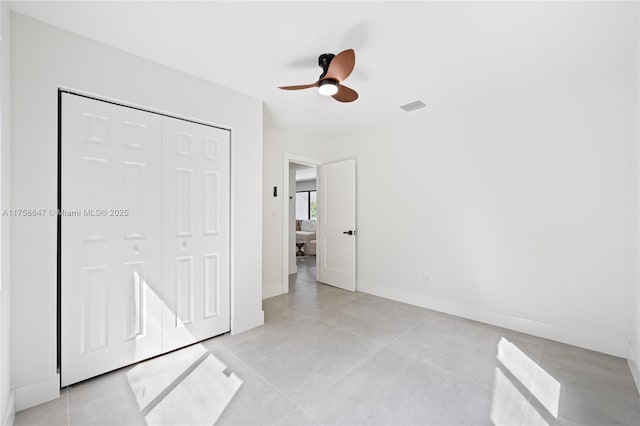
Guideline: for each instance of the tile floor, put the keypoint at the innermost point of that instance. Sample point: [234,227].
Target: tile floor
[326,356]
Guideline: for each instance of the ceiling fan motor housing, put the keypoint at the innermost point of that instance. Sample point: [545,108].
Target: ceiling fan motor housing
[323,61]
[328,81]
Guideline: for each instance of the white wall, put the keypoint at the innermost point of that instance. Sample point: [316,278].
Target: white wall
[276,144]
[44,58]
[634,349]
[7,408]
[518,208]
[293,268]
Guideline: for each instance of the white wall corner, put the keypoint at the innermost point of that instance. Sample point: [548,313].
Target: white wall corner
[33,394]
[10,410]
[247,322]
[633,366]
[271,290]
[593,341]
[635,372]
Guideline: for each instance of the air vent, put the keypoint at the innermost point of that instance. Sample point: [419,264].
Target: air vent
[412,106]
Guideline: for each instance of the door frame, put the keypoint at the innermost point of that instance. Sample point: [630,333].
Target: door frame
[290,158]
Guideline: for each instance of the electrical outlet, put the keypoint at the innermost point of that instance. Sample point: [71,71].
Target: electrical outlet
[426,279]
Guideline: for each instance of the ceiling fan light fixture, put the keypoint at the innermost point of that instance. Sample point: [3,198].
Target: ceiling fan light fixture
[328,87]
[335,69]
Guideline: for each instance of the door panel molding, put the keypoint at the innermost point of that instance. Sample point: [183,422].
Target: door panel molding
[115,299]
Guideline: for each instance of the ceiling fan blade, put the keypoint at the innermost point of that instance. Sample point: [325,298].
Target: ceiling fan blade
[342,65]
[345,94]
[302,86]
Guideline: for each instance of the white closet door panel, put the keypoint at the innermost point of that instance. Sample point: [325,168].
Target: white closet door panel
[111,263]
[196,170]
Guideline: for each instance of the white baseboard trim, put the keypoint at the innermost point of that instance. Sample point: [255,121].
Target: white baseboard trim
[271,290]
[635,372]
[247,322]
[10,410]
[585,339]
[633,366]
[33,394]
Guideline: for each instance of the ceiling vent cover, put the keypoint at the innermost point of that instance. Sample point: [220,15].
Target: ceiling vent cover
[412,106]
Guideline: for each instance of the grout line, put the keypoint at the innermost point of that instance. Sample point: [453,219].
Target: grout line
[171,386]
[265,380]
[383,346]
[68,407]
[361,362]
[356,365]
[535,379]
[466,379]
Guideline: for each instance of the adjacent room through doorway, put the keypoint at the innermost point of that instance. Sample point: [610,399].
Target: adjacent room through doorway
[303,209]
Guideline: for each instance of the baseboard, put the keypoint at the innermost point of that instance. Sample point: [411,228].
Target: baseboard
[597,342]
[247,322]
[271,290]
[9,410]
[635,372]
[33,394]
[633,365]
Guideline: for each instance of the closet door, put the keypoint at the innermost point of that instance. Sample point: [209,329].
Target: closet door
[111,237]
[195,232]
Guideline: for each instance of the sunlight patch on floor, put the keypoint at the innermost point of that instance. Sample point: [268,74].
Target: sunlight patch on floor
[187,387]
[527,371]
[520,370]
[508,406]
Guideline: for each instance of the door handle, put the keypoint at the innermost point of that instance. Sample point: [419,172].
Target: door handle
[349,232]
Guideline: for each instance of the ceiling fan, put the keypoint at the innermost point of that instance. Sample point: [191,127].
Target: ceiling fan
[335,69]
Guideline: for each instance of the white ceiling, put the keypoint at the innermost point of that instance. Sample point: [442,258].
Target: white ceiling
[444,53]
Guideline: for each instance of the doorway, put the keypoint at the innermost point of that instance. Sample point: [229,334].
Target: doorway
[335,225]
[299,173]
[303,208]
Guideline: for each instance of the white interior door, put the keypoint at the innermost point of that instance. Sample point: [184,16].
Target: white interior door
[336,237]
[195,234]
[111,246]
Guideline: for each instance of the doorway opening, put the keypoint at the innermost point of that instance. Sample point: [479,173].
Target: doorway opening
[299,218]
[335,225]
[303,215]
